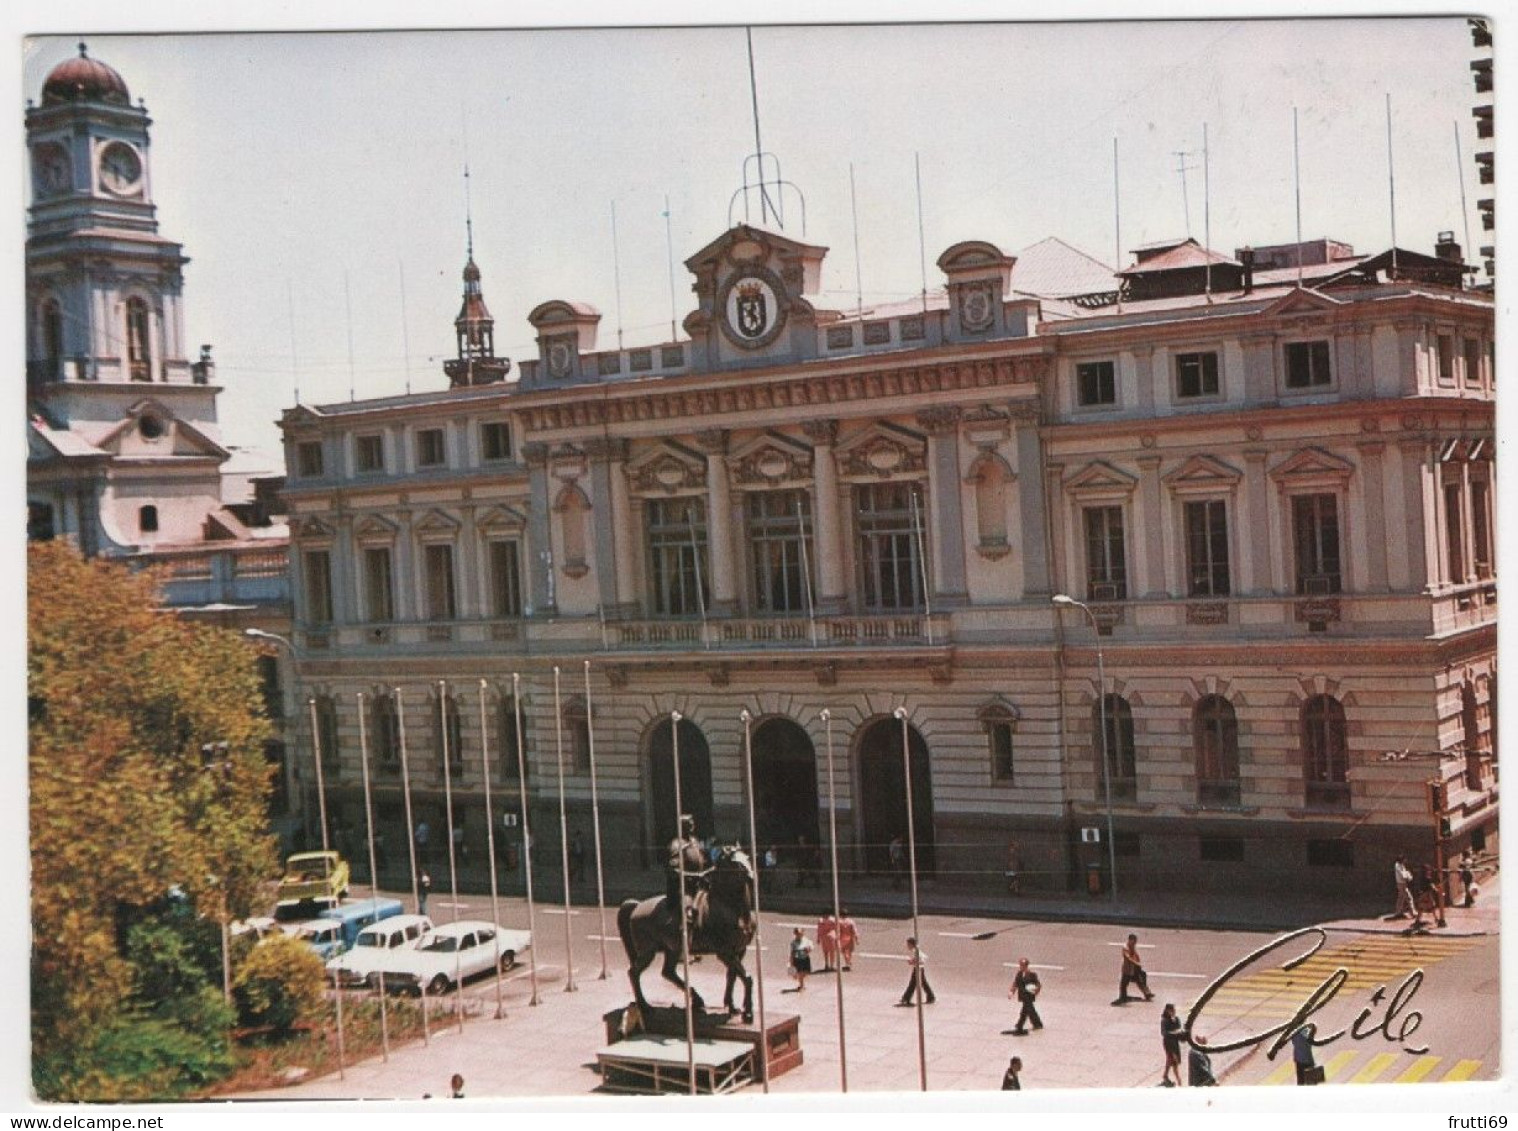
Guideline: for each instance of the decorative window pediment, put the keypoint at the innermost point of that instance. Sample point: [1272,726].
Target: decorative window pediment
[313,530]
[989,465]
[1311,468]
[1100,479]
[771,460]
[998,710]
[883,451]
[502,518]
[436,524]
[375,528]
[1202,475]
[667,468]
[1303,301]
[566,462]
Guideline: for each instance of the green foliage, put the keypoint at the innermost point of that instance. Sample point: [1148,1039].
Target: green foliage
[122,696]
[280,984]
[137,1058]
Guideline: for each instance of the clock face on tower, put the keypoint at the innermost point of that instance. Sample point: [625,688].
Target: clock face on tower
[120,168]
[50,164]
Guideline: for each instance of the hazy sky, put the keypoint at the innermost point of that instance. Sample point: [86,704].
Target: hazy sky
[325,168]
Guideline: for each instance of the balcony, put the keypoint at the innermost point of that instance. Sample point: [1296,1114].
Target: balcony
[744,633]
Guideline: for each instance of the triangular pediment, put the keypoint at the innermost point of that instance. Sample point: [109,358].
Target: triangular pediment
[668,466]
[1302,301]
[150,428]
[1203,471]
[375,526]
[437,522]
[311,529]
[882,450]
[502,518]
[1311,463]
[1099,475]
[747,243]
[771,458]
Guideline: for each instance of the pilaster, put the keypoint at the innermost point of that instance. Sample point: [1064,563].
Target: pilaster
[947,512]
[827,539]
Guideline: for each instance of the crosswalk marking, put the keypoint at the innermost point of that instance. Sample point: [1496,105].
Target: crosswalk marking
[1463,1070]
[1420,1068]
[1283,1073]
[1336,1065]
[1373,1069]
[1376,1069]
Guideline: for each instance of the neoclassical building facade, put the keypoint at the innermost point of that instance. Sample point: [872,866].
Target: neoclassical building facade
[1267,478]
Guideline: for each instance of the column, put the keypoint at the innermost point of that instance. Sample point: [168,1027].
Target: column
[1422,566]
[471,593]
[1149,528]
[946,537]
[1031,503]
[603,520]
[344,575]
[1062,573]
[1257,576]
[1259,368]
[827,520]
[408,605]
[539,548]
[1467,523]
[1374,521]
[719,522]
[1438,557]
[1143,375]
[624,531]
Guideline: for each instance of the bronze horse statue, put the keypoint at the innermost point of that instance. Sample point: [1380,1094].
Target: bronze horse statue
[724,927]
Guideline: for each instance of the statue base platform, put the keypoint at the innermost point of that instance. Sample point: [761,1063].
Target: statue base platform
[777,1047]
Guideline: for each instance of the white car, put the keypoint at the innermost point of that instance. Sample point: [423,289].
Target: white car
[259,926]
[452,953]
[375,946]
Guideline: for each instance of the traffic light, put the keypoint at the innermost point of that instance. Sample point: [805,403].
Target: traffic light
[1436,799]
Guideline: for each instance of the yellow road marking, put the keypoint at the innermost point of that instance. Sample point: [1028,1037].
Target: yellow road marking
[1283,1073]
[1419,1069]
[1377,1065]
[1463,1070]
[1338,1063]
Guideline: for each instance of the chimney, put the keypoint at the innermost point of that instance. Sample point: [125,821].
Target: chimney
[1246,259]
[1447,249]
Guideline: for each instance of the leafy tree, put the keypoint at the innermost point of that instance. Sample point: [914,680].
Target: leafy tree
[123,697]
[280,984]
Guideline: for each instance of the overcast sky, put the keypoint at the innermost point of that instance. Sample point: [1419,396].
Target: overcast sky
[317,171]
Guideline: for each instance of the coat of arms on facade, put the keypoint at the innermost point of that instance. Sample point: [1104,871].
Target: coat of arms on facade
[753,309]
[975,307]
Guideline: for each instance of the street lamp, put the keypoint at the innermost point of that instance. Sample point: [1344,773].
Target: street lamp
[1064,601]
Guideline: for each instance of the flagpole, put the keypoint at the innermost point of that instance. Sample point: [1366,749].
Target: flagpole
[363,761]
[532,927]
[806,573]
[569,955]
[416,890]
[695,556]
[453,871]
[843,1056]
[690,1018]
[906,766]
[753,836]
[595,823]
[922,568]
[321,805]
[1207,210]
[495,904]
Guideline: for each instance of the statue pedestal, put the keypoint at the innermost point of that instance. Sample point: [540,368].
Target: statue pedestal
[777,1047]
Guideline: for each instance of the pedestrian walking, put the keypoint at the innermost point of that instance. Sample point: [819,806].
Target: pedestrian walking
[1170,1038]
[801,959]
[827,939]
[1308,1071]
[898,857]
[1133,973]
[1025,987]
[917,958]
[1009,1080]
[457,1086]
[1435,892]
[1403,879]
[577,858]
[423,887]
[848,939]
[1468,878]
[1199,1065]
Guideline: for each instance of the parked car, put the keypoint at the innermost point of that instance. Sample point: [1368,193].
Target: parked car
[259,926]
[314,875]
[374,947]
[453,953]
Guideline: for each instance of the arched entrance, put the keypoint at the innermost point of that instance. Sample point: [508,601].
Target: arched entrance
[695,780]
[785,783]
[883,794]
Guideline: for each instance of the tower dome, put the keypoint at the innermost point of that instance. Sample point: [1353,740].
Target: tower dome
[83,79]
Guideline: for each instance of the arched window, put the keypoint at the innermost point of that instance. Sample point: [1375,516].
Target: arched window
[1000,721]
[1122,765]
[139,355]
[385,732]
[448,731]
[1215,735]
[1325,753]
[574,518]
[147,519]
[576,734]
[506,735]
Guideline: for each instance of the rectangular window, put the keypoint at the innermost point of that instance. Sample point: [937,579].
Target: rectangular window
[1106,568]
[430,449]
[318,579]
[369,453]
[378,584]
[677,556]
[440,595]
[505,580]
[1229,848]
[1454,533]
[1481,529]
[1471,347]
[308,459]
[1307,365]
[1096,383]
[780,542]
[1446,351]
[890,568]
[1331,853]
[999,734]
[1315,536]
[495,440]
[1207,549]
[1196,375]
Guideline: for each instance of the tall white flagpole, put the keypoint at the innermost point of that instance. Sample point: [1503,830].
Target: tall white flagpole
[843,1044]
[569,952]
[453,870]
[532,926]
[906,767]
[321,805]
[416,889]
[690,1017]
[495,905]
[753,837]
[595,823]
[363,761]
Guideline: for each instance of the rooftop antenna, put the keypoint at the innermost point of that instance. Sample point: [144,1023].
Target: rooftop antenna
[1117,226]
[858,272]
[348,303]
[1296,176]
[922,246]
[616,272]
[669,246]
[1182,169]
[1206,216]
[1391,185]
[1465,219]
[295,365]
[753,86]
[405,331]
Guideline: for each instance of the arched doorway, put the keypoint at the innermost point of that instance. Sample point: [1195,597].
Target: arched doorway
[883,794]
[785,783]
[695,780]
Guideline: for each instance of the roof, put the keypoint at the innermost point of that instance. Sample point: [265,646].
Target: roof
[1188,253]
[1052,268]
[83,79]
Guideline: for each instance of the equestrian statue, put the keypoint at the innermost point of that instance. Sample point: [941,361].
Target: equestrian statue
[718,905]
